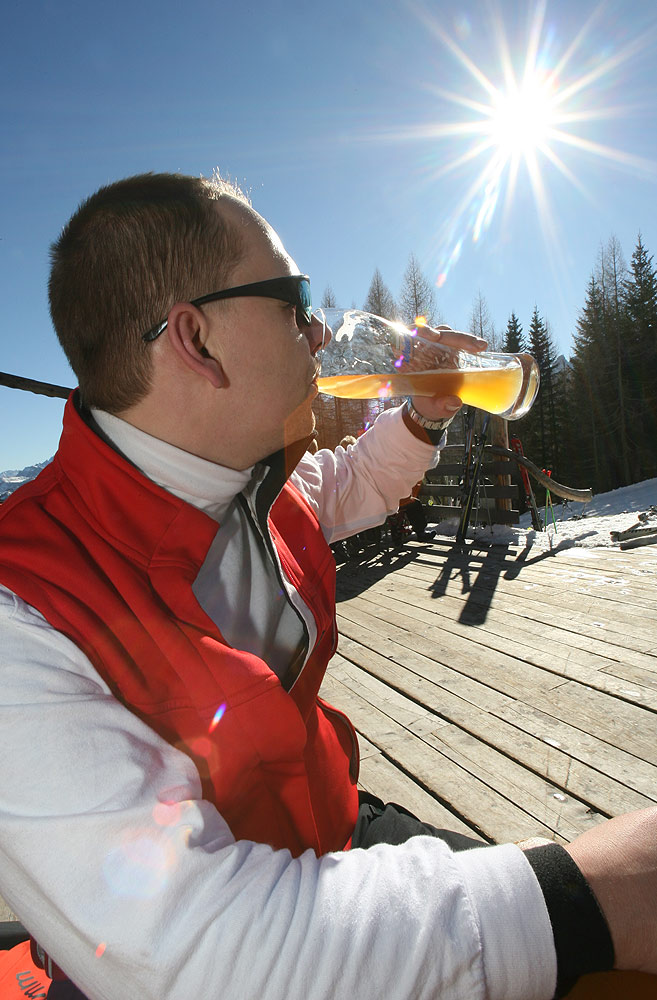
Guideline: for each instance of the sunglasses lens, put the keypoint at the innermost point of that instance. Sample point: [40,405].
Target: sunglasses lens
[305,306]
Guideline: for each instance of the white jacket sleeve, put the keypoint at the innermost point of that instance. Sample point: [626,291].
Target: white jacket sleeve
[137,888]
[358,487]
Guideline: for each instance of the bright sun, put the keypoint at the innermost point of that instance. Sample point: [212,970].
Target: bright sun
[522,119]
[521,122]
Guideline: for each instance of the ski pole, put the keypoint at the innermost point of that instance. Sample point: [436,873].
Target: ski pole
[548,502]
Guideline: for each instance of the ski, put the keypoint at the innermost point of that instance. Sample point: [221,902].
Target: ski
[636,531]
[633,543]
[530,499]
[640,527]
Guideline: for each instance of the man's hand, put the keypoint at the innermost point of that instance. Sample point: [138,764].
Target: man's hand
[619,861]
[438,407]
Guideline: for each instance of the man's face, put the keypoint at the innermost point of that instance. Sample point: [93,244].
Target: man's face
[267,359]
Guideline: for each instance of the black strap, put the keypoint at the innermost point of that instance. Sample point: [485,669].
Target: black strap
[581,936]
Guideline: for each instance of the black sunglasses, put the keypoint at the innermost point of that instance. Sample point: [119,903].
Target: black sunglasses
[293,288]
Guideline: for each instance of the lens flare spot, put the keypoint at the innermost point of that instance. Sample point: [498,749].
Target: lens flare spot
[421,321]
[385,391]
[100,950]
[218,715]
[462,27]
[201,746]
[167,813]
[139,868]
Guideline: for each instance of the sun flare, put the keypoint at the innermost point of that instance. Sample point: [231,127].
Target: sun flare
[522,119]
[528,116]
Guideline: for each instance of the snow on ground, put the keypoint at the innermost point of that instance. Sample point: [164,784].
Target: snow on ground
[575,524]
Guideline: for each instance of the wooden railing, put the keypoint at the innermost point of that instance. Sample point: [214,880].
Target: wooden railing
[489,510]
[33,385]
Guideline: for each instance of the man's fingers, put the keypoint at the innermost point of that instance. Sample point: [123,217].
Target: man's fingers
[457,339]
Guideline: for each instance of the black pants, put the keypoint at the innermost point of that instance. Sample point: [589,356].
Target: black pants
[388,823]
[414,511]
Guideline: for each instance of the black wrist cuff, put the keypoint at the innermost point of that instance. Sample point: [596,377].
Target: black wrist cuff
[581,936]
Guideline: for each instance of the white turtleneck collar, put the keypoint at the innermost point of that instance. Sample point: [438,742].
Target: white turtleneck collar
[240,585]
[205,485]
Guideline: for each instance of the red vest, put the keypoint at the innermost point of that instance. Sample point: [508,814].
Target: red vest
[109,559]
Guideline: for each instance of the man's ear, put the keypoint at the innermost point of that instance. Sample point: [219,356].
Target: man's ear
[187,331]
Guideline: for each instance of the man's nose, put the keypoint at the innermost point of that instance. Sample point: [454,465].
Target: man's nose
[319,332]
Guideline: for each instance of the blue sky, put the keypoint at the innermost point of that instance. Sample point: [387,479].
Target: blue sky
[352,125]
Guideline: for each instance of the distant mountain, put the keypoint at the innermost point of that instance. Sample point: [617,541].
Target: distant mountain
[13,478]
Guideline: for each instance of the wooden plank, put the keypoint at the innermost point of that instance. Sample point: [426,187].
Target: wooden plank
[477,594]
[634,600]
[640,636]
[512,676]
[435,685]
[555,808]
[563,558]
[455,469]
[451,490]
[442,512]
[459,702]
[419,615]
[488,513]
[505,619]
[498,819]
[628,600]
[380,777]
[526,589]
[588,564]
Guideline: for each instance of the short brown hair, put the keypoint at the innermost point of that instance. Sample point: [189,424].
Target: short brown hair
[129,252]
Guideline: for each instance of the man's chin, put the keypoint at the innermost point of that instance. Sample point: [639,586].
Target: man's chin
[300,425]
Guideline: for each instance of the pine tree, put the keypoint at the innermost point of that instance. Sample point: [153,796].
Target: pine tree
[514,342]
[641,348]
[540,428]
[611,397]
[379,298]
[417,297]
[589,373]
[611,275]
[555,391]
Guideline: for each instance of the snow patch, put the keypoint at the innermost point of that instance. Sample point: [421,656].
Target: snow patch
[579,529]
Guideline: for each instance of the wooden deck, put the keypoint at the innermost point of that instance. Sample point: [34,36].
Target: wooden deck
[503,692]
